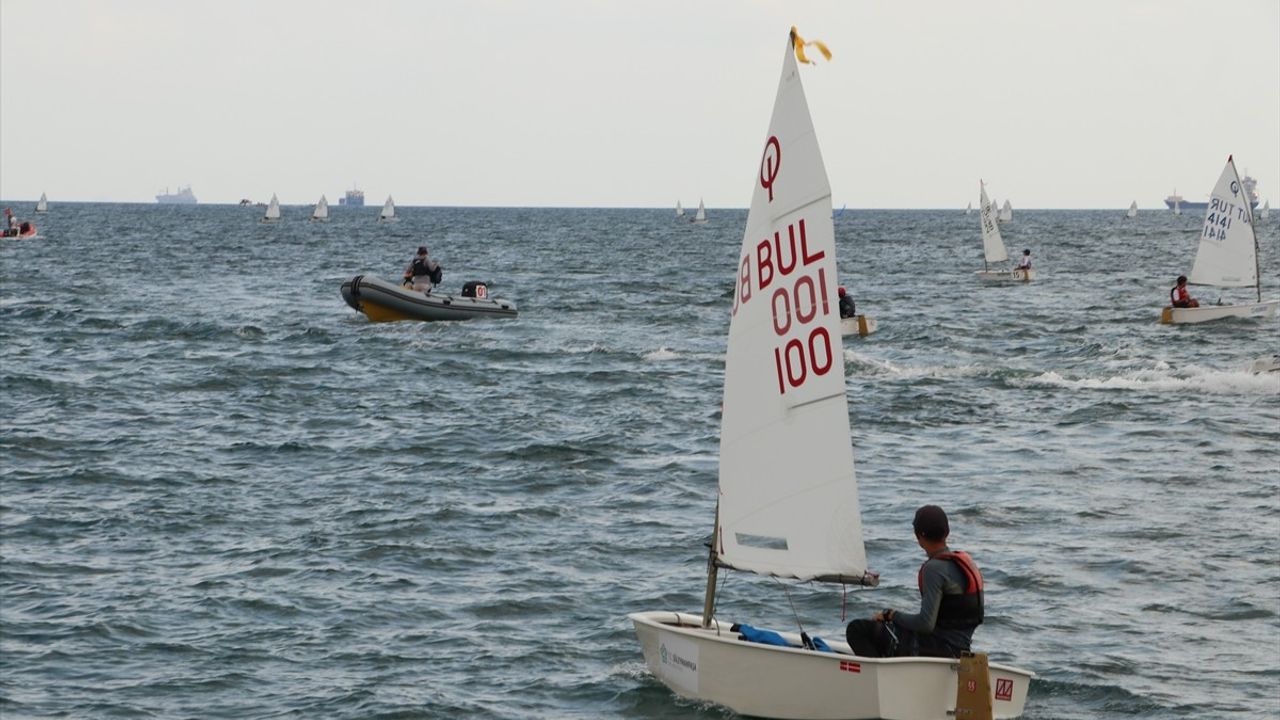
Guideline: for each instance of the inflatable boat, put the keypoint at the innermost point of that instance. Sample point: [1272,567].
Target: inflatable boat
[23,231]
[382,301]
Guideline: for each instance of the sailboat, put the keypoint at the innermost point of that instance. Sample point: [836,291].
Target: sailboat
[273,210]
[700,217]
[42,205]
[1006,213]
[993,249]
[679,209]
[1228,255]
[1177,206]
[788,497]
[1266,210]
[968,208]
[1133,210]
[321,213]
[388,213]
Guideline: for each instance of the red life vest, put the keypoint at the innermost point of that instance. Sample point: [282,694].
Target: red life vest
[963,611]
[1179,295]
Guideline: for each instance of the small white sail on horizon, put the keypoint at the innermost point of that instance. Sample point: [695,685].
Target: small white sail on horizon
[679,209]
[321,211]
[1177,207]
[1227,256]
[1133,209]
[700,217]
[1006,213]
[273,210]
[1266,210]
[388,211]
[968,208]
[42,205]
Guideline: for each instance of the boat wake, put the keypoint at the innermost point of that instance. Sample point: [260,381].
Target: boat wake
[1166,379]
[660,355]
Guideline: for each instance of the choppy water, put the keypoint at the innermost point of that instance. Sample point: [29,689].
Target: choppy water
[225,494]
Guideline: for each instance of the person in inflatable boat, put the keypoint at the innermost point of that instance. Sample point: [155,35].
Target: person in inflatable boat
[423,272]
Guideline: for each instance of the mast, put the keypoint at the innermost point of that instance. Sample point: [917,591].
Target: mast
[713,567]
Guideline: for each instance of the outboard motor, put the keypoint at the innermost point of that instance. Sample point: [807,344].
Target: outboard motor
[475,289]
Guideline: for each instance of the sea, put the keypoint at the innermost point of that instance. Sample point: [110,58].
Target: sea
[226,494]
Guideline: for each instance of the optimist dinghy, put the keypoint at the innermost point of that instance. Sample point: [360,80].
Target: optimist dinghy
[860,325]
[1228,255]
[382,301]
[993,250]
[788,498]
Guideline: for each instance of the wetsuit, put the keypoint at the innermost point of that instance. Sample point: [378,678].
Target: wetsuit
[847,308]
[950,610]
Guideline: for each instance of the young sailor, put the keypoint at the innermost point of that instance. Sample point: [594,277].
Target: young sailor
[1025,262]
[422,272]
[1180,297]
[950,602]
[847,308]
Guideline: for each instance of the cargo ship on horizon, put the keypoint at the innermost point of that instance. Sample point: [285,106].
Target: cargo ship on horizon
[353,198]
[1176,201]
[184,196]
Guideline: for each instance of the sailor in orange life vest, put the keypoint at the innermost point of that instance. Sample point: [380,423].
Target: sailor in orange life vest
[1179,297]
[950,602]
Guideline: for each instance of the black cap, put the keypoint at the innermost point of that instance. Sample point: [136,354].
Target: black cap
[930,523]
[422,250]
[1182,278]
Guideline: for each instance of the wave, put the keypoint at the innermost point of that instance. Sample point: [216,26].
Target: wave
[885,367]
[660,355]
[1163,378]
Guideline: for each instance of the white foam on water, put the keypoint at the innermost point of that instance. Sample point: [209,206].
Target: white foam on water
[660,355]
[1163,378]
[885,367]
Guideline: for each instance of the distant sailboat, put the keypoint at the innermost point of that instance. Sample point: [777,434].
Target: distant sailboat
[1006,213]
[1177,206]
[679,209]
[1266,210]
[1133,209]
[700,217]
[968,208]
[273,210]
[1228,255]
[993,249]
[388,211]
[321,213]
[42,205]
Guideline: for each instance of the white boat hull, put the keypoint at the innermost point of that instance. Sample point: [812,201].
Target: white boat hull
[860,325]
[1006,275]
[792,682]
[1182,316]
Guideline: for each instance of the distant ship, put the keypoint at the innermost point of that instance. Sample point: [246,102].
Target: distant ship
[1250,188]
[184,196]
[354,198]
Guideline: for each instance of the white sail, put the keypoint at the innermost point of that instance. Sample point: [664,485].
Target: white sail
[701,215]
[1228,255]
[1177,208]
[788,496]
[992,244]
[322,210]
[273,209]
[679,209]
[1266,209]
[1006,213]
[388,209]
[1133,209]
[968,208]
[42,205]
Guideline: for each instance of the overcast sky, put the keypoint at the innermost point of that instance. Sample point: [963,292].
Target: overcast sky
[582,103]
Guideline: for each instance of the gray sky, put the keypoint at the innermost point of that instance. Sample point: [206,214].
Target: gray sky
[594,103]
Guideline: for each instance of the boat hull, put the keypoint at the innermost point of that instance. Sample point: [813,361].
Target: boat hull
[792,682]
[1185,316]
[1006,275]
[860,325]
[382,301]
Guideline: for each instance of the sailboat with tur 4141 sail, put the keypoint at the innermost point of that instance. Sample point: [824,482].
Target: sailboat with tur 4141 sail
[993,249]
[788,498]
[1228,255]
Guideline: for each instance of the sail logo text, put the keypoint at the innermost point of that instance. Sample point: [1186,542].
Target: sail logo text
[800,298]
[770,163]
[1220,218]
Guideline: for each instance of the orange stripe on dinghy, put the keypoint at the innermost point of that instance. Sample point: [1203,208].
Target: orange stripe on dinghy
[378,313]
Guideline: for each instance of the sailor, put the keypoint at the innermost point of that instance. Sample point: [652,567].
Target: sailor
[1179,297]
[847,308]
[1025,262]
[950,602]
[423,272]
